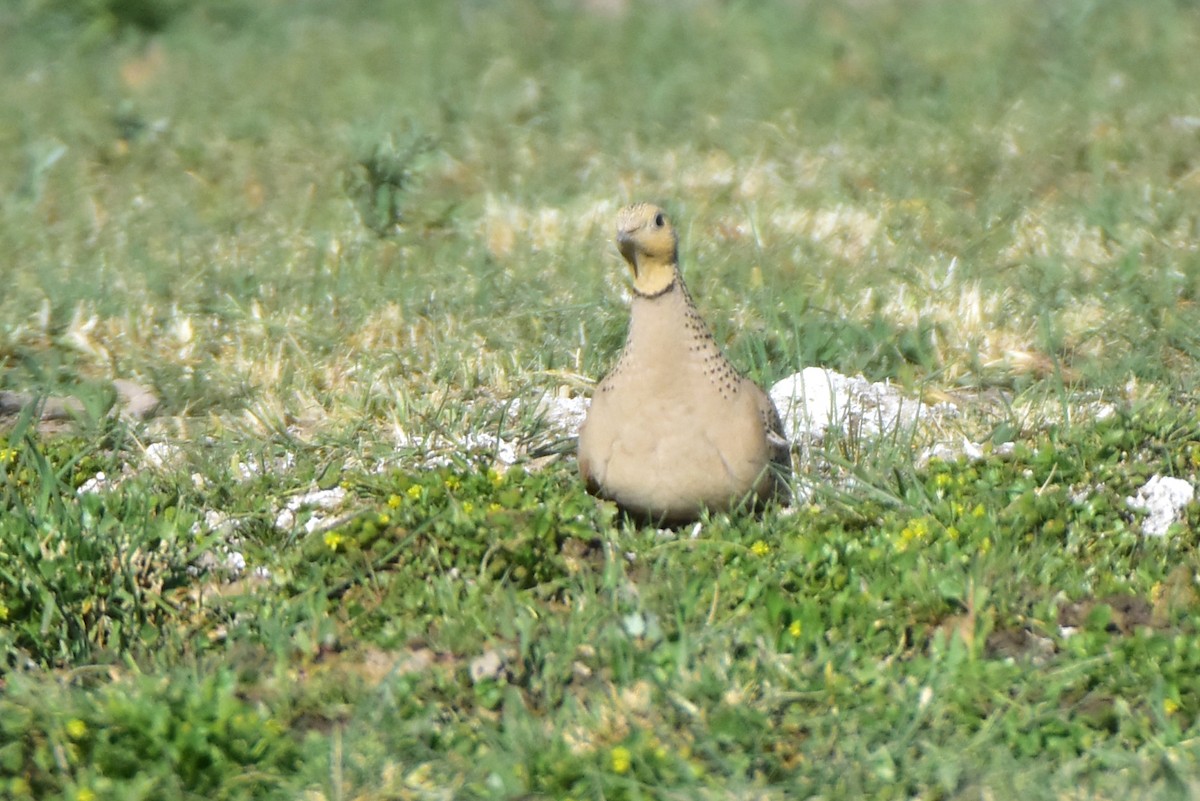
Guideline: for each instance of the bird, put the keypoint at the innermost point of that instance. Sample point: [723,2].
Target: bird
[674,428]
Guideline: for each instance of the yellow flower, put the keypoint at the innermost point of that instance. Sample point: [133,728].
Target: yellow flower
[795,629]
[76,729]
[621,759]
[1170,706]
[760,548]
[495,477]
[394,501]
[468,507]
[494,507]
[414,492]
[978,511]
[942,480]
[384,519]
[453,483]
[3,611]
[916,531]
[8,455]
[952,533]
[84,794]
[333,540]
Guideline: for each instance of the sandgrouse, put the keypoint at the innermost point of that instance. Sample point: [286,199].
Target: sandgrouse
[674,428]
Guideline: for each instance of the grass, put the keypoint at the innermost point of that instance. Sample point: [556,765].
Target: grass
[350,248]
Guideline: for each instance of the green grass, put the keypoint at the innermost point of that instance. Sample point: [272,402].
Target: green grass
[342,242]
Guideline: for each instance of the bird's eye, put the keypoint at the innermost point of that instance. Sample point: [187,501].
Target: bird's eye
[659,220]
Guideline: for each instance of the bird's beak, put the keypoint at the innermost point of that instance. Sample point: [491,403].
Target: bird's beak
[628,251]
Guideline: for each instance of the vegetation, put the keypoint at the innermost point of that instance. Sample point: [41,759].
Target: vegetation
[353,246]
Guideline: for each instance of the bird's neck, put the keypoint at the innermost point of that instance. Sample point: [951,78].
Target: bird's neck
[669,325]
[654,276]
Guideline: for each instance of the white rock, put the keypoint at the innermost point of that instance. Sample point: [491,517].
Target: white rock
[222,560]
[1162,498]
[282,464]
[816,399]
[217,521]
[224,556]
[952,450]
[235,563]
[320,499]
[565,414]
[317,499]
[163,455]
[488,665]
[437,450]
[504,450]
[97,483]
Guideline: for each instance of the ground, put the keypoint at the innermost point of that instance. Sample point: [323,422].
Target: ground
[359,252]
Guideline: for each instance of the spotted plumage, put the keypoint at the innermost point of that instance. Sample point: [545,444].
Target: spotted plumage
[674,428]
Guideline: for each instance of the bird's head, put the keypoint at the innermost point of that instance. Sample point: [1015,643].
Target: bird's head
[649,244]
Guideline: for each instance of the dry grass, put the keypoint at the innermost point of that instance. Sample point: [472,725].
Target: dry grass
[352,244]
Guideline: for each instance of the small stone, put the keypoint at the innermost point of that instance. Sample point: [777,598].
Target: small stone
[1163,499]
[163,455]
[136,401]
[317,499]
[95,484]
[564,414]
[488,665]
